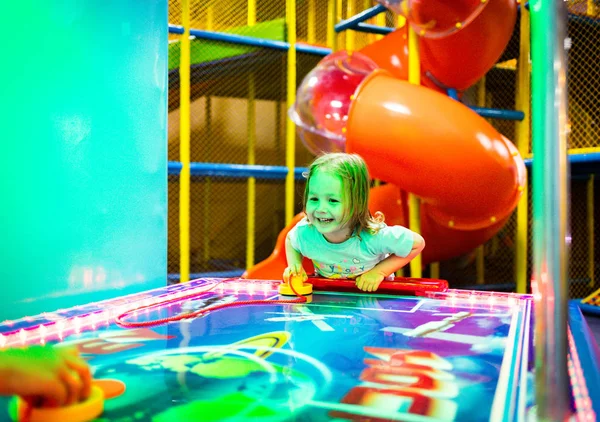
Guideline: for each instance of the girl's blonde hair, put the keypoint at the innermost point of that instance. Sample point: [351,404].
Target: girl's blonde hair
[352,170]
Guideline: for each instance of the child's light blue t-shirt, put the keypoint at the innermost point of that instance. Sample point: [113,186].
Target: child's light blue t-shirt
[353,257]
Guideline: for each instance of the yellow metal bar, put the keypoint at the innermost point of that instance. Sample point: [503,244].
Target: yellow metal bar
[290,130]
[206,234]
[206,221]
[587,150]
[371,38]
[380,21]
[591,296]
[480,264]
[415,225]
[350,35]
[277,223]
[521,243]
[414,211]
[495,246]
[574,151]
[207,185]
[434,270]
[311,26]
[480,251]
[590,222]
[522,143]
[251,126]
[481,93]
[210,18]
[592,9]
[251,206]
[251,12]
[184,146]
[339,15]
[401,21]
[331,35]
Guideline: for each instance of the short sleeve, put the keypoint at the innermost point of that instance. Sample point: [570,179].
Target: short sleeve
[295,235]
[395,240]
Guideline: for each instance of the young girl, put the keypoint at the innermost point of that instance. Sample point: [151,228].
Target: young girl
[339,234]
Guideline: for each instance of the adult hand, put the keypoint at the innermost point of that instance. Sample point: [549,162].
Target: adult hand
[46,375]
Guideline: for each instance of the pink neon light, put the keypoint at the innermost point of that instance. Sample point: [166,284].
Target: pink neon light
[583,404]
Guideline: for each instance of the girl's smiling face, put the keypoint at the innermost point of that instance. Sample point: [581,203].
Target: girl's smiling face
[325,207]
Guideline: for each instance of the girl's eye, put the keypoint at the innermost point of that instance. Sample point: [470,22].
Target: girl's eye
[312,199]
[333,200]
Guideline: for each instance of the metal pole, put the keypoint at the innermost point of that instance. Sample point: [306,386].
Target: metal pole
[290,129]
[550,206]
[184,146]
[350,35]
[591,230]
[251,126]
[311,23]
[414,205]
[331,21]
[480,251]
[523,134]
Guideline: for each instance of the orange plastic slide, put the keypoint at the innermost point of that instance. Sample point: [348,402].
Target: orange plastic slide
[468,176]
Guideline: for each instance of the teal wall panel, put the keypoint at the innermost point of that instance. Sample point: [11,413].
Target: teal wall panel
[83,152]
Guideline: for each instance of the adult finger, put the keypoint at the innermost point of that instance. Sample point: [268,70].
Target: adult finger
[82,369]
[76,363]
[73,385]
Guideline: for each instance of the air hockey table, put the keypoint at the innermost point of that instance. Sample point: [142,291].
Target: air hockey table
[341,356]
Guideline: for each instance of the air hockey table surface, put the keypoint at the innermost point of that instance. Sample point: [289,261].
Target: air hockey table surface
[451,356]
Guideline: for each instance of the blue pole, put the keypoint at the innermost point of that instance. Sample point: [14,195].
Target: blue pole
[360,17]
[251,41]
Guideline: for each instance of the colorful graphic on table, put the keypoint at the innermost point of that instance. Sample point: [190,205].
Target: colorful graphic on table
[347,356]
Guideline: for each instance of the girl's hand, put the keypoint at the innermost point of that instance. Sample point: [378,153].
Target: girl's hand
[369,281]
[46,375]
[294,270]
